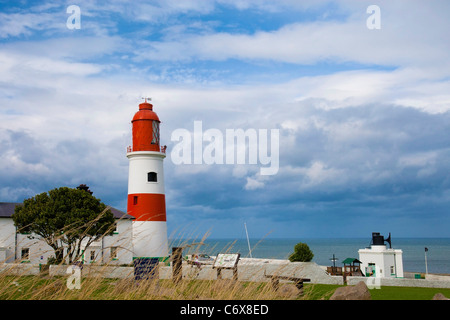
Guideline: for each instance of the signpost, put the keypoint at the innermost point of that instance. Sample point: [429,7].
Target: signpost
[226,261]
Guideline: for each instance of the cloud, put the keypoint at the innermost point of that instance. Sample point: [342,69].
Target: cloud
[311,42]
[366,156]
[361,113]
[16,24]
[253,184]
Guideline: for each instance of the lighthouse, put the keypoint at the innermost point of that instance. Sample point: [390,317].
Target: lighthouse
[146,198]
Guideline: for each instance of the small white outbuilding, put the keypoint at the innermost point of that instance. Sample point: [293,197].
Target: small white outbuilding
[379,261]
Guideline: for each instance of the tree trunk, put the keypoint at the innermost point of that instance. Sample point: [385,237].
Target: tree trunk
[59,254]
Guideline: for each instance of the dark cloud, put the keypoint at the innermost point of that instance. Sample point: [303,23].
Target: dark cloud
[30,166]
[381,162]
[313,71]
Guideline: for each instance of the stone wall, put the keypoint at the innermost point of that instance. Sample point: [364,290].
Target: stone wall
[19,269]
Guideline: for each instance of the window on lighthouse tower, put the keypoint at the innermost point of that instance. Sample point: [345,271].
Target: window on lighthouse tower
[152,177]
[155,133]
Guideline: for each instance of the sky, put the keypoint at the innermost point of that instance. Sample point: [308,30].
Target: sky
[360,99]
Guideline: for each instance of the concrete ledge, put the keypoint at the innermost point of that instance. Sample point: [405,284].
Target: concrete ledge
[257,272]
[94,271]
[247,271]
[439,277]
[19,269]
[399,282]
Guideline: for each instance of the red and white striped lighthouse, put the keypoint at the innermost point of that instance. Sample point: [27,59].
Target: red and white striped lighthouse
[146,198]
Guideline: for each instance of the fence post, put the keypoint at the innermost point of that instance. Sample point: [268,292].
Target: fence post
[177,263]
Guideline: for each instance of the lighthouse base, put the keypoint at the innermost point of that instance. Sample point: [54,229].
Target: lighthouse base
[150,239]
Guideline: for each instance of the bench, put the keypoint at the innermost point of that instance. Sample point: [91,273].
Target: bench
[275,280]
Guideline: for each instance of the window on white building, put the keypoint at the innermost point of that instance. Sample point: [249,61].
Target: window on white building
[113,253]
[25,254]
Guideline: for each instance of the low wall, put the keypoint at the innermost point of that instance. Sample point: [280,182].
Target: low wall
[439,277]
[19,269]
[398,282]
[247,271]
[94,271]
[258,272]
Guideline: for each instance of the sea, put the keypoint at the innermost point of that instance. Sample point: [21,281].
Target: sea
[415,258]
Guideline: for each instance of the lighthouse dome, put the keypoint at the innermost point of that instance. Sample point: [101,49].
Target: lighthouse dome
[145,129]
[145,113]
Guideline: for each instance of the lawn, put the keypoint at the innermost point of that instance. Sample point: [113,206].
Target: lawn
[407,293]
[325,291]
[55,288]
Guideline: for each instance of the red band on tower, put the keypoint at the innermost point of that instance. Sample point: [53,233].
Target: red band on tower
[147,206]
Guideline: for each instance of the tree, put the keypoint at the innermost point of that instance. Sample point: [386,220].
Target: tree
[301,253]
[65,217]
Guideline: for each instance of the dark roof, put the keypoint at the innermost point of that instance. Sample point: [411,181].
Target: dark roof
[120,214]
[7,210]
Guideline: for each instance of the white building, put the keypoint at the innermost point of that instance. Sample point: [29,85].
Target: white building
[379,261]
[115,249]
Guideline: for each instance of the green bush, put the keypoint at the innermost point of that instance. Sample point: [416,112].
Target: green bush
[302,253]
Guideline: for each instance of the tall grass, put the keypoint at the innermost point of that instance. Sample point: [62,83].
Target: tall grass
[20,287]
[16,284]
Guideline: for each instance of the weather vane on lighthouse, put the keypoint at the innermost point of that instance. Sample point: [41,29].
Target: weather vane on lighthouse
[146,98]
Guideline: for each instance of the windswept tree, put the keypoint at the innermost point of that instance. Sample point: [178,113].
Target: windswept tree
[65,218]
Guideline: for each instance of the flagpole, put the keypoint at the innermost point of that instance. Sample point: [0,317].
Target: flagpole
[248,241]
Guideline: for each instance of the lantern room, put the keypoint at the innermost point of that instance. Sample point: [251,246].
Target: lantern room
[145,129]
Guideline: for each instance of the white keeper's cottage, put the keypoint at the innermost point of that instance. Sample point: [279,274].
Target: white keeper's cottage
[16,247]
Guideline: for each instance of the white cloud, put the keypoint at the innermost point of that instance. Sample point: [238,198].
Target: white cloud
[418,159]
[16,24]
[320,174]
[253,184]
[14,165]
[312,42]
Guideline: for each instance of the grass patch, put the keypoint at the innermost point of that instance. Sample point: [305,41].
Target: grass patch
[314,291]
[407,293]
[54,288]
[325,291]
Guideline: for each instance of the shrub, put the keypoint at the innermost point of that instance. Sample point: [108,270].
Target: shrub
[301,253]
